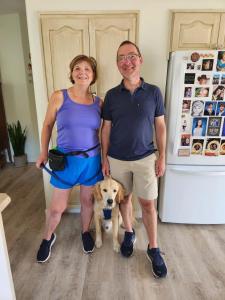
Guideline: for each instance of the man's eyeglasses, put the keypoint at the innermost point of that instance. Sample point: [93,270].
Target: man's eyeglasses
[130,57]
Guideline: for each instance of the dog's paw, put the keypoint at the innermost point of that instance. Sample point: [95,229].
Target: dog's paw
[98,243]
[116,247]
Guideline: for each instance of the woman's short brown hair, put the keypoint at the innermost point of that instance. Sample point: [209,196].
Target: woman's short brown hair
[90,60]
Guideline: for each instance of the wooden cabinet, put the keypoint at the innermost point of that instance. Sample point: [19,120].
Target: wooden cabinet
[197,30]
[66,35]
[4,140]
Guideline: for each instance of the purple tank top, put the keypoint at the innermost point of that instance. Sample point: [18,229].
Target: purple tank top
[78,125]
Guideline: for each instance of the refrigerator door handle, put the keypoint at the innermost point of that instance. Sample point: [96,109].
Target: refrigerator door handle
[199,173]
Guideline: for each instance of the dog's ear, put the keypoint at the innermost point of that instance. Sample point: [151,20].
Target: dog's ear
[97,192]
[120,194]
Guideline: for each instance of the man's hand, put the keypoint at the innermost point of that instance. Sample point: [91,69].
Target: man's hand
[105,167]
[160,166]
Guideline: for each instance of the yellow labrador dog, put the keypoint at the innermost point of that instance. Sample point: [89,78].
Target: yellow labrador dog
[107,194]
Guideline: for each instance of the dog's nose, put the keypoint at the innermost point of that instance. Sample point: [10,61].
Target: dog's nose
[110,201]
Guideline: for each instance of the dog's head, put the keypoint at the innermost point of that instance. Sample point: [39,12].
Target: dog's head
[109,192]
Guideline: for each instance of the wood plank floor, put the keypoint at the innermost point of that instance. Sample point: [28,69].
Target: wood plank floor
[195,255]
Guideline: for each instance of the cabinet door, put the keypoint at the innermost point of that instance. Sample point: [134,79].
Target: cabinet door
[221,38]
[64,37]
[194,30]
[106,34]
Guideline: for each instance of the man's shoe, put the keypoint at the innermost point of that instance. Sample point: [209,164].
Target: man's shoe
[159,269]
[88,242]
[127,245]
[44,251]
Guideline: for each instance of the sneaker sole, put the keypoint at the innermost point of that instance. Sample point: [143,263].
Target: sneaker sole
[88,252]
[53,242]
[155,275]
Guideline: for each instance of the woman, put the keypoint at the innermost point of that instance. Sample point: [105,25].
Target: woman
[197,108]
[78,116]
[218,93]
[198,130]
[221,61]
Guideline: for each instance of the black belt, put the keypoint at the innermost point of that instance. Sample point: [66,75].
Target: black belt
[83,152]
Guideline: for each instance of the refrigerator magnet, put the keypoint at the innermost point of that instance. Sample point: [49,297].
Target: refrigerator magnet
[183,152]
[207,64]
[212,147]
[189,78]
[220,66]
[197,146]
[216,78]
[214,126]
[197,108]
[185,140]
[203,79]
[222,147]
[195,56]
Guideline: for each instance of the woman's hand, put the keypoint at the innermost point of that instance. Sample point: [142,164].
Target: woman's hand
[42,159]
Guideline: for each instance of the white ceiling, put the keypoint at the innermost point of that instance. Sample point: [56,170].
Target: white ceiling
[11,6]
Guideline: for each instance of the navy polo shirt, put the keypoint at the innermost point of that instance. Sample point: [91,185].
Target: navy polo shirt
[132,117]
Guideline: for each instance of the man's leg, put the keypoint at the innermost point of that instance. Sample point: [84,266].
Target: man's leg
[149,216]
[145,181]
[120,170]
[126,210]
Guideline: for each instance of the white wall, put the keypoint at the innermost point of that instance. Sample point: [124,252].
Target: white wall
[154,35]
[17,90]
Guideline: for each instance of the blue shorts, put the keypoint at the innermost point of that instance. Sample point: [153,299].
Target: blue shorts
[79,171]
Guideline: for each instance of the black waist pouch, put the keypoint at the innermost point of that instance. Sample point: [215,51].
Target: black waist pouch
[56,160]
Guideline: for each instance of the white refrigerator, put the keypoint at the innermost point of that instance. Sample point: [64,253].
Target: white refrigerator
[193,187]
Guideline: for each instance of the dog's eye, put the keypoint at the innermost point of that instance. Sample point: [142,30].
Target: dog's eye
[105,190]
[114,191]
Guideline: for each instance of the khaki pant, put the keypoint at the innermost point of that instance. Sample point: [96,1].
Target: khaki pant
[138,174]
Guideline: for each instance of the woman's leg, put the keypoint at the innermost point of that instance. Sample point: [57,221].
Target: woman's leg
[86,201]
[54,212]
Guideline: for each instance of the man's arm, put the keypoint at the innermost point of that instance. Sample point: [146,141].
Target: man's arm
[160,132]
[105,137]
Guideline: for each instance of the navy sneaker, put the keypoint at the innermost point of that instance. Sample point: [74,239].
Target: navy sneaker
[159,269]
[127,245]
[88,242]
[44,251]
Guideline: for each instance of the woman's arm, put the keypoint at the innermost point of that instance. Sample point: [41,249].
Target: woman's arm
[55,103]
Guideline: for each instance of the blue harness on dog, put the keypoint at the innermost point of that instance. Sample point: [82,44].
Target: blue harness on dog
[107,214]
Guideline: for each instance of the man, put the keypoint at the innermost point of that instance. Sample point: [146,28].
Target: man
[209,110]
[130,112]
[221,111]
